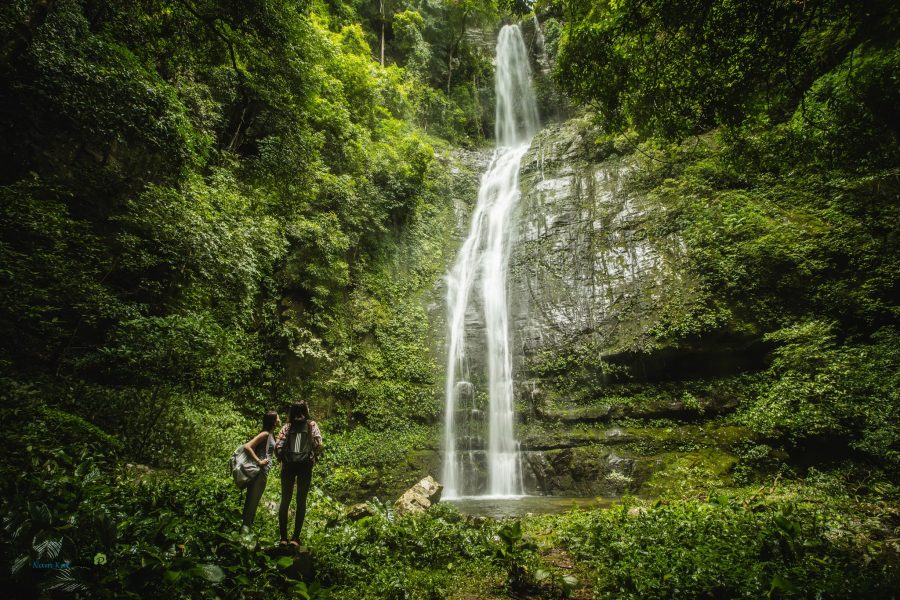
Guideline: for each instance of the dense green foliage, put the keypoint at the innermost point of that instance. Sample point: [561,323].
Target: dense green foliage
[433,41]
[676,67]
[203,195]
[790,546]
[208,209]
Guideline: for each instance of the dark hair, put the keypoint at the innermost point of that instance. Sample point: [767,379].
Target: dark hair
[269,420]
[298,413]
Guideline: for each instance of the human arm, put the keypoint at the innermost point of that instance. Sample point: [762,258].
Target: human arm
[280,439]
[248,448]
[317,442]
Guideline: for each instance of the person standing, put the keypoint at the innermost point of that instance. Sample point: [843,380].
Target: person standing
[261,449]
[298,446]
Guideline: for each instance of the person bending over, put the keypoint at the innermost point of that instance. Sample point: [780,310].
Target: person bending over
[261,449]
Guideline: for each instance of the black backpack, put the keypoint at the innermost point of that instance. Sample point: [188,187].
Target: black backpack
[298,445]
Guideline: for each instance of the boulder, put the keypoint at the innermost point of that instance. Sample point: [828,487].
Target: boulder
[358,511]
[139,471]
[419,497]
[295,562]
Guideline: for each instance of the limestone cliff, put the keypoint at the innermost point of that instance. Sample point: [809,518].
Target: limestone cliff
[586,262]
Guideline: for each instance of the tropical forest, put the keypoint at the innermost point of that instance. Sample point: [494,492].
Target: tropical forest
[463,299]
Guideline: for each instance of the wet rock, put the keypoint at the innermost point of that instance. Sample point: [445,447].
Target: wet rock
[616,435]
[579,471]
[664,409]
[558,439]
[419,497]
[616,460]
[359,511]
[597,470]
[465,392]
[301,567]
[476,520]
[583,260]
[588,414]
[622,465]
[592,260]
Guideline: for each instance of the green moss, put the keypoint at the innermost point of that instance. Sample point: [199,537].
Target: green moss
[686,438]
[684,474]
[569,397]
[361,463]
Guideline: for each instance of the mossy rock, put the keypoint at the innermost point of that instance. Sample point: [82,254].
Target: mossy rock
[580,471]
[684,473]
[639,440]
[647,461]
[581,414]
[409,469]
[537,438]
[613,409]
[685,438]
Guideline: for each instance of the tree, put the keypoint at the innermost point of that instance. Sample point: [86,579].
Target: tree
[413,50]
[679,67]
[460,15]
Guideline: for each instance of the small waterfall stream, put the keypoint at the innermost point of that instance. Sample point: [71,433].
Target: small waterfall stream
[481,267]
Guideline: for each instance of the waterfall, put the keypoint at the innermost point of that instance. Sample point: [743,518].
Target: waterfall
[540,45]
[483,263]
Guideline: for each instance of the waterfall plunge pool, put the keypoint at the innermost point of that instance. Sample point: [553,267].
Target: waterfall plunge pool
[501,507]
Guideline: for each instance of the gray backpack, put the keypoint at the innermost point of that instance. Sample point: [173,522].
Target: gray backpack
[242,468]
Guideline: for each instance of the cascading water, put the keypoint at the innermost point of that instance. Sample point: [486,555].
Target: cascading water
[483,261]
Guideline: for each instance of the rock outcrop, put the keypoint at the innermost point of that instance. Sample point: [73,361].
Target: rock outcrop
[585,261]
[594,266]
[300,567]
[359,511]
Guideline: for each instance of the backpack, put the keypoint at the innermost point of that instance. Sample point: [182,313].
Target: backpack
[298,446]
[242,468]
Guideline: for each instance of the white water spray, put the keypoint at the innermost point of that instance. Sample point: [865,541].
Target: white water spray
[483,261]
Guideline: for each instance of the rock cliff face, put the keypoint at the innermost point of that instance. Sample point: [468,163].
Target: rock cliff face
[592,267]
[585,262]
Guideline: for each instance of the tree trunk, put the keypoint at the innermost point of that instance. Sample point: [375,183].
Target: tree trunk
[449,70]
[453,47]
[381,9]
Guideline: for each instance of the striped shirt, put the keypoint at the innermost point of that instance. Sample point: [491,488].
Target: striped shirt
[314,432]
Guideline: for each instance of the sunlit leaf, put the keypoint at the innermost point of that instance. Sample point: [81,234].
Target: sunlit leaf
[212,573]
[284,562]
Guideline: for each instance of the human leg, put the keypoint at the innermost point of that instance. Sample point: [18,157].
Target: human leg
[288,477]
[254,494]
[304,480]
